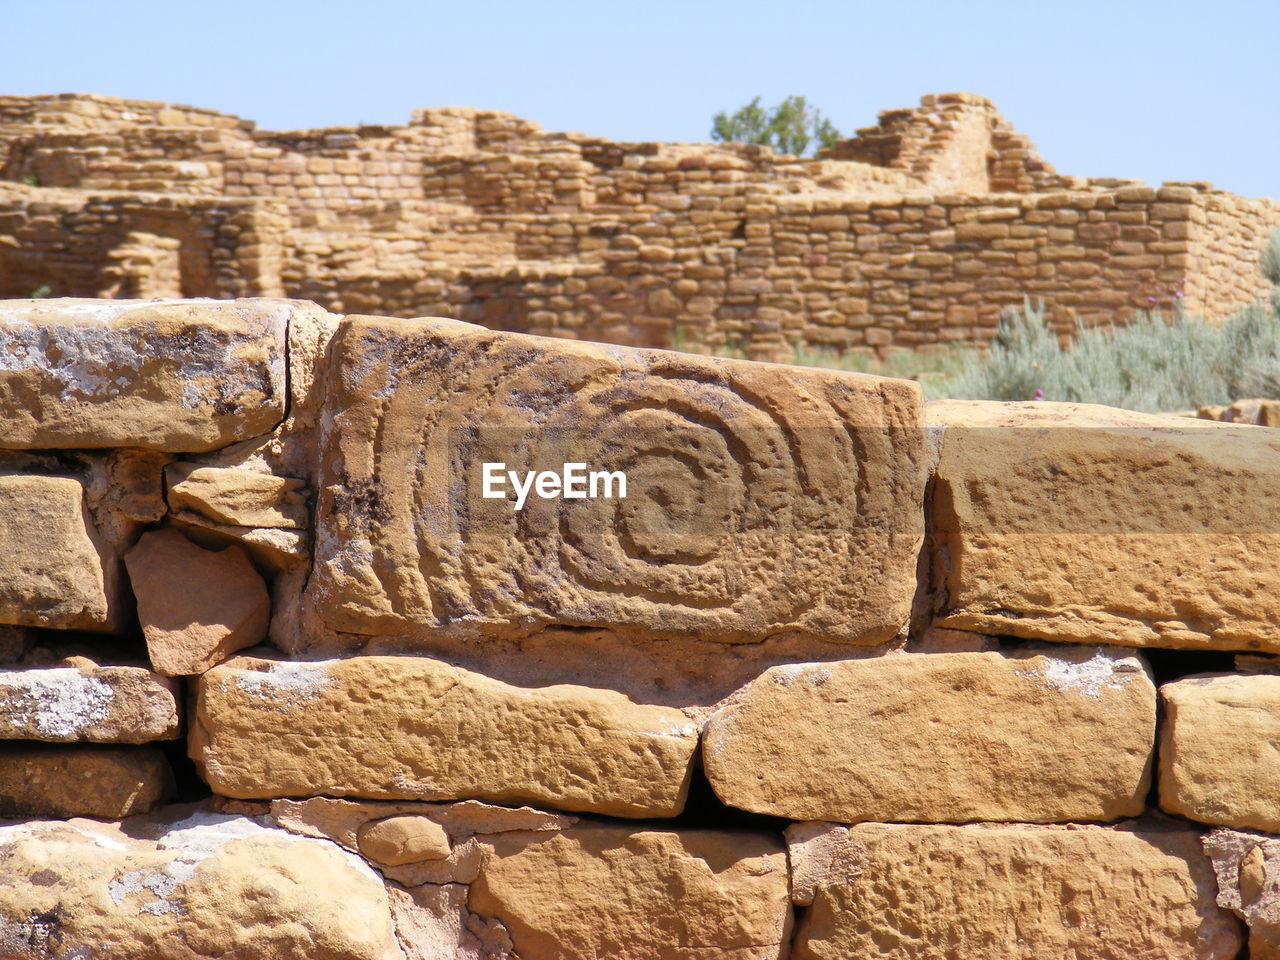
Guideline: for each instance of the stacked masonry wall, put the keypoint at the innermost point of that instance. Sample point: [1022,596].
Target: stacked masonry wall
[919,231]
[841,673]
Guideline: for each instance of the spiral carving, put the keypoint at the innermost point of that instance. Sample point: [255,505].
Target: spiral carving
[759,499]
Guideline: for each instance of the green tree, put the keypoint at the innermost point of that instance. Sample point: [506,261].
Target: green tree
[791,126]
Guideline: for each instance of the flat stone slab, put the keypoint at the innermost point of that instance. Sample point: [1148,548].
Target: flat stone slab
[1218,750]
[91,703]
[412,728]
[640,894]
[759,499]
[183,376]
[81,780]
[187,884]
[1084,524]
[55,570]
[939,738]
[1006,892]
[197,607]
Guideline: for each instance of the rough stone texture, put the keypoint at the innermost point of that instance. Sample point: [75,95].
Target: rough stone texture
[183,376]
[600,892]
[485,216]
[1247,867]
[466,824]
[947,738]
[1218,750]
[758,500]
[65,780]
[1085,524]
[237,497]
[1006,892]
[413,728]
[396,841]
[54,569]
[197,607]
[87,702]
[189,884]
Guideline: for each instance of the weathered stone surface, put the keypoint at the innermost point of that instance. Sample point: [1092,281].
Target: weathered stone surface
[943,738]
[1247,867]
[1142,891]
[237,497]
[87,702]
[599,892]
[465,824]
[759,499]
[54,570]
[186,376]
[405,839]
[1084,524]
[76,780]
[197,607]
[412,728]
[1218,750]
[189,884]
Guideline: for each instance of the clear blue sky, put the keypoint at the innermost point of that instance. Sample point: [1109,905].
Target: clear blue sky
[1157,91]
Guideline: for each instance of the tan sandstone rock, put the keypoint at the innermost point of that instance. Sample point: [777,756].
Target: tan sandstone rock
[76,780]
[413,728]
[759,499]
[465,824]
[1141,891]
[1085,524]
[87,702]
[1219,743]
[948,737]
[607,891]
[405,839]
[54,569]
[1247,867]
[186,376]
[197,607]
[187,885]
[237,497]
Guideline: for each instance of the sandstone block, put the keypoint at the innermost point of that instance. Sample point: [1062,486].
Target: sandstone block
[189,376]
[1006,892]
[54,569]
[411,728]
[187,885]
[1247,868]
[64,780]
[758,499]
[87,702]
[640,894]
[1218,750]
[946,737]
[404,839]
[1085,524]
[237,497]
[196,606]
[466,826]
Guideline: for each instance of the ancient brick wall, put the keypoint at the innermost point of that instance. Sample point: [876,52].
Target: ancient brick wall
[313,643]
[82,244]
[919,230]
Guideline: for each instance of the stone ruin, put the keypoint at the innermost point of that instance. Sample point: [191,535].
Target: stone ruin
[843,674]
[920,230]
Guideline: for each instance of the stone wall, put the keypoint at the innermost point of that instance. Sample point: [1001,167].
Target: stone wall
[842,673]
[920,230]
